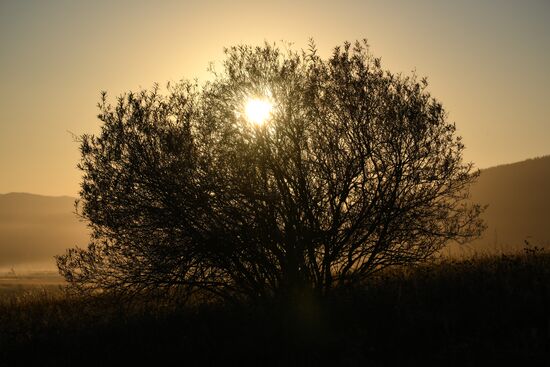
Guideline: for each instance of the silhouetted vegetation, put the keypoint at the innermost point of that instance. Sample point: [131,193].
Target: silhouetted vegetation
[477,312]
[357,169]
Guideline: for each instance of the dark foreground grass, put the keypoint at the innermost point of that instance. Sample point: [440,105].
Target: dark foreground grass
[481,312]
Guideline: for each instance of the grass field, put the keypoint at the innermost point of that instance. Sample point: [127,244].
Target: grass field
[29,284]
[482,311]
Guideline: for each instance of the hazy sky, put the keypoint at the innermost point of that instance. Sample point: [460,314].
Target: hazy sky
[486,61]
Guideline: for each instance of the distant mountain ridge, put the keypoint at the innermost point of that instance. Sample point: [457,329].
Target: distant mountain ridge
[34,228]
[16,204]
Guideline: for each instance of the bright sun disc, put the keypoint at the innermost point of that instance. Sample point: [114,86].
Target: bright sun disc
[258,111]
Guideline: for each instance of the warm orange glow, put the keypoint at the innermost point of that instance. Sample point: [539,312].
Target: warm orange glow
[258,111]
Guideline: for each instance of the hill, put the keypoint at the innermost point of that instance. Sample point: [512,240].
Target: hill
[518,196]
[33,228]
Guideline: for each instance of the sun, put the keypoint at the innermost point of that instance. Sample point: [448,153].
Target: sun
[258,110]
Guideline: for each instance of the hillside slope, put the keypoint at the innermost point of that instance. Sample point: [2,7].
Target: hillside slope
[518,196]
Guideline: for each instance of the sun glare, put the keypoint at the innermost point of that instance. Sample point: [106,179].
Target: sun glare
[258,110]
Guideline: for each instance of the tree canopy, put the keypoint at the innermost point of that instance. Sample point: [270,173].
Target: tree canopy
[355,169]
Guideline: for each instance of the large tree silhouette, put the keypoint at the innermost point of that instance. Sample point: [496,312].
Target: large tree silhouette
[356,169]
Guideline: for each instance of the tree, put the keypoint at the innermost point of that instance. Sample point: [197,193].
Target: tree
[355,169]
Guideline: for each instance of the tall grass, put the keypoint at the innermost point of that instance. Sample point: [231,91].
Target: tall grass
[480,311]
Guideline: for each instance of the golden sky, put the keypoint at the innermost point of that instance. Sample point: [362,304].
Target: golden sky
[486,61]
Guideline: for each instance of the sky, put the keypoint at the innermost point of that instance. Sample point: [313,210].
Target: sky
[486,61]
